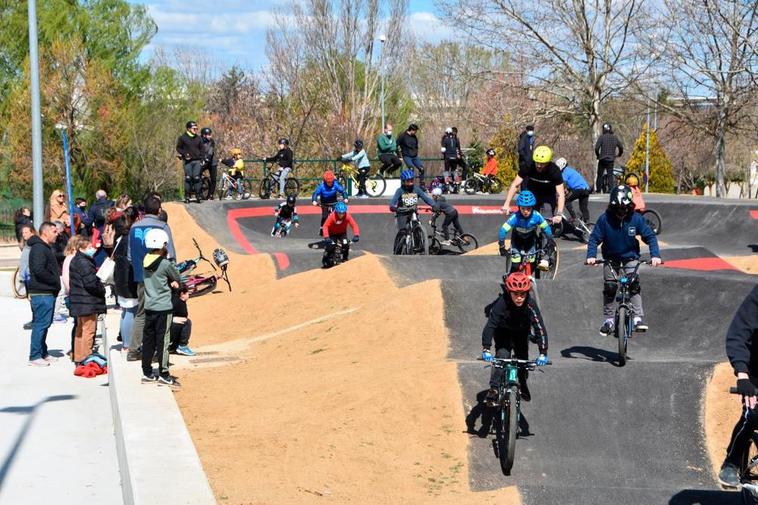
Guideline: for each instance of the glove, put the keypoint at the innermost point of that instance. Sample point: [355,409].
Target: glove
[393,209]
[314,202]
[542,360]
[502,249]
[356,238]
[328,241]
[746,388]
[486,355]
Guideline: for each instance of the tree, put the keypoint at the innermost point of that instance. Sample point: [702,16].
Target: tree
[504,142]
[661,179]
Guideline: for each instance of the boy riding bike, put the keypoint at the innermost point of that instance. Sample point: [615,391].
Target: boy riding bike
[451,215]
[406,198]
[528,226]
[335,229]
[617,230]
[286,216]
[359,158]
[511,319]
[327,192]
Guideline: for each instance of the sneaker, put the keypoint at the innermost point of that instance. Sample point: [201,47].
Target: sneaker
[543,265]
[149,379]
[198,200]
[186,199]
[525,394]
[228,197]
[491,397]
[729,476]
[445,242]
[239,197]
[28,326]
[50,359]
[60,318]
[38,362]
[185,351]
[607,328]
[168,380]
[134,356]
[639,325]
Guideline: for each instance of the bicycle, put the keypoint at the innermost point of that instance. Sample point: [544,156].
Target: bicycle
[582,229]
[229,186]
[375,184]
[285,225]
[653,220]
[481,183]
[623,320]
[412,239]
[508,405]
[205,186]
[201,284]
[465,242]
[337,254]
[18,284]
[270,184]
[748,469]
[527,260]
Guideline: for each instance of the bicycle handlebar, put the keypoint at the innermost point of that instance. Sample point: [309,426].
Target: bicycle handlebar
[733,390]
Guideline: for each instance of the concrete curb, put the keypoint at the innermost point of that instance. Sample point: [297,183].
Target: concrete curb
[157,458]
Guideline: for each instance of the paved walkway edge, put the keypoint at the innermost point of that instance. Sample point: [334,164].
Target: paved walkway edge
[157,458]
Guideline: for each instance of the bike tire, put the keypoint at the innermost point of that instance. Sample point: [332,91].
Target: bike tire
[203,287]
[205,188]
[376,185]
[621,334]
[223,189]
[653,219]
[554,260]
[435,247]
[470,186]
[467,242]
[557,229]
[247,189]
[19,288]
[496,187]
[292,186]
[420,243]
[510,425]
[398,247]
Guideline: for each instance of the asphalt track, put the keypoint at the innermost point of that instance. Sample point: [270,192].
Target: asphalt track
[600,434]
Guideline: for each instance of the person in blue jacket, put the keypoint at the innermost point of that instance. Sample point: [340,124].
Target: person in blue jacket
[326,193]
[617,230]
[527,225]
[360,159]
[406,198]
[576,189]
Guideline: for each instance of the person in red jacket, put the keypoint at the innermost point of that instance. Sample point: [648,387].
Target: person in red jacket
[335,231]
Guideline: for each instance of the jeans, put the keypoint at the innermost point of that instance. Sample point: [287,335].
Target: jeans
[127,322]
[192,181]
[138,326]
[283,172]
[415,162]
[42,318]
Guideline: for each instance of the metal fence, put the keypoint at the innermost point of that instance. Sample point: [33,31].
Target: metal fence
[7,226]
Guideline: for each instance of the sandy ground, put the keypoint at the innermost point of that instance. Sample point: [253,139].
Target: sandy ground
[747,264]
[722,410]
[332,389]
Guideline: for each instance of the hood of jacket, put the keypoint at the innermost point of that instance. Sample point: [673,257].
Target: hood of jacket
[35,239]
[152,261]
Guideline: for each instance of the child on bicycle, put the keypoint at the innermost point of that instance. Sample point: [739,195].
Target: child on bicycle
[617,230]
[511,319]
[490,167]
[451,215]
[406,198]
[335,230]
[286,216]
[528,227]
[633,181]
[237,172]
[327,193]
[285,159]
[359,158]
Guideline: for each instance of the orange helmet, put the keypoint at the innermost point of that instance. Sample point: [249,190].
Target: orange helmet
[328,177]
[518,282]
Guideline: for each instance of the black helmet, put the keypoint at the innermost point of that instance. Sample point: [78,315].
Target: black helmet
[205,131]
[413,127]
[190,124]
[284,141]
[291,199]
[621,196]
[358,144]
[490,152]
[607,127]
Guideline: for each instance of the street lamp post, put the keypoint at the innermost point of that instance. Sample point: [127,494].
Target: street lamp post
[67,162]
[37,181]
[382,39]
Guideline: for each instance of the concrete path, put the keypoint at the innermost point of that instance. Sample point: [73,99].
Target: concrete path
[56,429]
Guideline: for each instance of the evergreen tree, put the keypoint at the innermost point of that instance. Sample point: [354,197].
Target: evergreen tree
[661,178]
[504,143]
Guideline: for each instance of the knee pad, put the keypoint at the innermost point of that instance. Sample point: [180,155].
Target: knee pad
[188,178]
[635,287]
[609,289]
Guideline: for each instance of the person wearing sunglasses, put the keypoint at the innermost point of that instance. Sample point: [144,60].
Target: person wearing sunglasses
[189,147]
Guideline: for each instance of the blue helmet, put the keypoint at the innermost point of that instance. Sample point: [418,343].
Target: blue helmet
[526,199]
[340,207]
[407,175]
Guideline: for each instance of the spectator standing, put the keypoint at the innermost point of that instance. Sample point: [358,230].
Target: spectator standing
[450,148]
[72,247]
[136,254]
[80,215]
[607,148]
[96,216]
[189,146]
[459,151]
[526,143]
[59,249]
[22,218]
[123,276]
[57,210]
[43,287]
[210,161]
[408,144]
[386,148]
[27,232]
[87,299]
[285,159]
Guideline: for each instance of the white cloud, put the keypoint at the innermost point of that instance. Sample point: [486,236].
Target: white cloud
[427,27]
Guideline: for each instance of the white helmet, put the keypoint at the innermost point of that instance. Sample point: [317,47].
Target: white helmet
[448,130]
[561,162]
[437,191]
[156,238]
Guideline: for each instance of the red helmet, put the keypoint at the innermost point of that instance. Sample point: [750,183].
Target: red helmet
[328,176]
[518,282]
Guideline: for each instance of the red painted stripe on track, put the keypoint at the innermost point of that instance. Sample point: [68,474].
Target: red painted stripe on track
[307,210]
[702,264]
[754,214]
[282,260]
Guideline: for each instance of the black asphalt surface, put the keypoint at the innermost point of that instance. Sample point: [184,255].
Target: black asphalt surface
[599,434]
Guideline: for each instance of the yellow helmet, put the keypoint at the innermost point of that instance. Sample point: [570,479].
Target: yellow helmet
[236,152]
[543,154]
[632,180]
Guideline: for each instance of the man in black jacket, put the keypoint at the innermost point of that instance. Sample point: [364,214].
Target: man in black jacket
[525,148]
[607,148]
[742,350]
[43,287]
[190,149]
[285,159]
[210,161]
[407,142]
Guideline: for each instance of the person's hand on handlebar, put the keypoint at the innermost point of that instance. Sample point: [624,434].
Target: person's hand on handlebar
[748,391]
[506,209]
[556,219]
[590,261]
[356,238]
[314,202]
[542,360]
[655,261]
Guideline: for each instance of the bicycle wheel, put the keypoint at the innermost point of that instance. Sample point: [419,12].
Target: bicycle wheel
[434,246]
[621,333]
[247,189]
[343,182]
[470,186]
[376,185]
[202,286]
[509,422]
[292,187]
[205,188]
[557,229]
[19,288]
[467,242]
[223,188]
[496,187]
[420,244]
[264,190]
[553,259]
[399,245]
[653,220]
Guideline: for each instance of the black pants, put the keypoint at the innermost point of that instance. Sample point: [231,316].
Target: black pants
[390,163]
[507,346]
[192,180]
[604,181]
[362,176]
[180,335]
[543,200]
[212,174]
[451,218]
[337,239]
[741,436]
[583,195]
[156,336]
[326,209]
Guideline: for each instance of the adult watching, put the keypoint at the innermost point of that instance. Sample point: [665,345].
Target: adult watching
[44,285]
[190,148]
[386,147]
[607,148]
[407,142]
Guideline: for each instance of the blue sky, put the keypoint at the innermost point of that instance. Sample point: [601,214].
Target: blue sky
[234,31]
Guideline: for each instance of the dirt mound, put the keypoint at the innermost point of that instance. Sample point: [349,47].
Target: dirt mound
[721,412]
